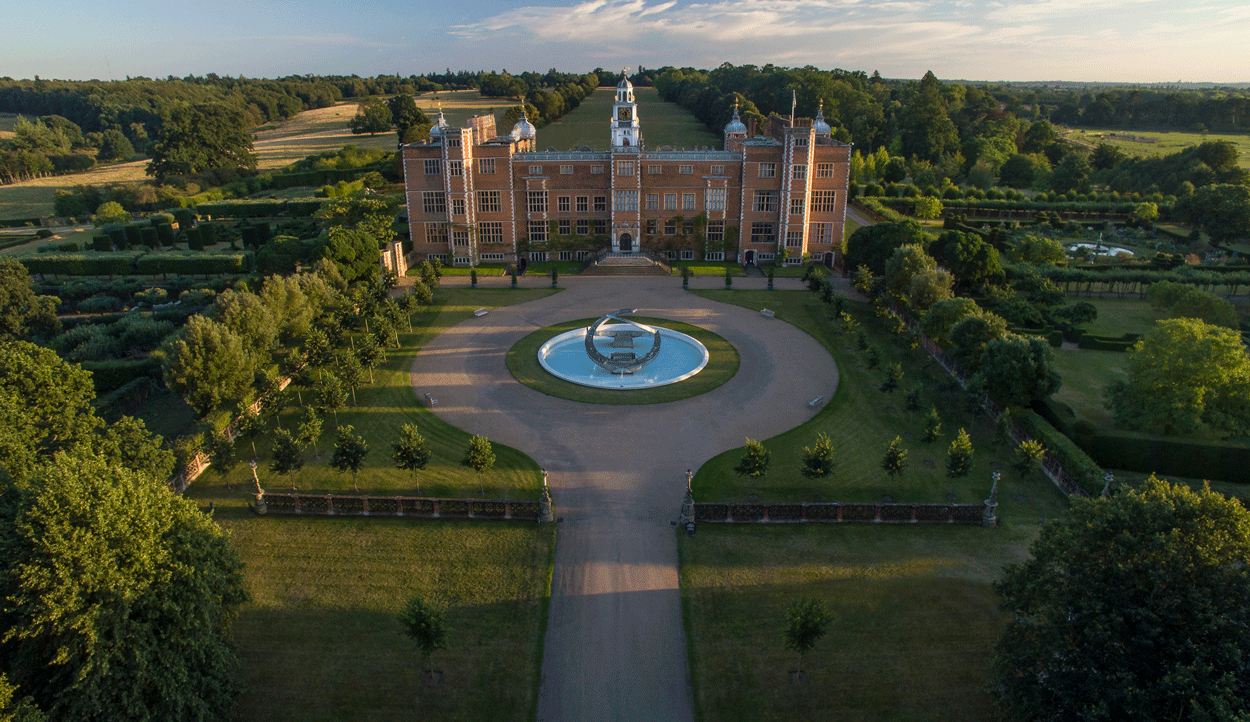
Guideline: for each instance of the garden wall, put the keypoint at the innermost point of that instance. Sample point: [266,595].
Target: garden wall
[402,506]
[839,513]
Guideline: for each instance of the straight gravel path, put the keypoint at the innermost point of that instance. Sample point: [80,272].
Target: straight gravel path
[615,646]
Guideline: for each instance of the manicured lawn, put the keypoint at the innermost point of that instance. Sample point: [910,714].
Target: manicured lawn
[862,421]
[567,268]
[662,124]
[707,268]
[1118,316]
[792,271]
[914,620]
[483,269]
[383,406]
[319,639]
[722,364]
[849,227]
[1085,374]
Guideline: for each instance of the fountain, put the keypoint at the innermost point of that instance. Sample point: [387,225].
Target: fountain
[637,356]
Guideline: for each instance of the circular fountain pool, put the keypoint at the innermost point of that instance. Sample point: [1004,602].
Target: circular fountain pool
[679,358]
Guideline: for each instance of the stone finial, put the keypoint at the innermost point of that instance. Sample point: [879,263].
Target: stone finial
[260,507]
[1106,487]
[990,519]
[546,514]
[687,502]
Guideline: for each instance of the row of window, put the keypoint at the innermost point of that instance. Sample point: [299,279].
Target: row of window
[492,232]
[486,166]
[626,200]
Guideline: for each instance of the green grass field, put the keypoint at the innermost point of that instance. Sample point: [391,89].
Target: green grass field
[320,640]
[914,620]
[862,421]
[1167,142]
[707,268]
[723,362]
[383,406]
[1118,316]
[662,124]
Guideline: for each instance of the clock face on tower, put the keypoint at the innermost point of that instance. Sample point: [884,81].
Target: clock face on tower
[623,114]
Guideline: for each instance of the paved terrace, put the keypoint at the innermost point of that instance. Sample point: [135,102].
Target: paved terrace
[615,646]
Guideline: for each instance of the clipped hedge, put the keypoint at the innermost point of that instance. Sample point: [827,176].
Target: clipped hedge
[1083,469]
[108,376]
[1107,343]
[192,263]
[260,208]
[99,304]
[77,264]
[1147,454]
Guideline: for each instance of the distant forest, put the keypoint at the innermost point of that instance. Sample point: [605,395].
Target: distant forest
[73,124]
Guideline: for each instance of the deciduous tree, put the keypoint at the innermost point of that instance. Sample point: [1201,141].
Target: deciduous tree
[1017,371]
[1135,606]
[207,365]
[196,138]
[350,450]
[118,597]
[820,460]
[1182,374]
[425,625]
[411,453]
[807,620]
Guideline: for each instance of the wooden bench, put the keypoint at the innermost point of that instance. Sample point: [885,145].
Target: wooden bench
[433,401]
[815,401]
[767,313]
[480,312]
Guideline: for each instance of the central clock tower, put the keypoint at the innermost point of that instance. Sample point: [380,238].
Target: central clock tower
[625,129]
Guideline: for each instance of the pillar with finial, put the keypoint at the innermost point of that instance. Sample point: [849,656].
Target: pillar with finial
[1106,487]
[260,506]
[989,519]
[546,514]
[687,503]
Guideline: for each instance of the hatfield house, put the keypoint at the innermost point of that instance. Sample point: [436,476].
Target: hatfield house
[774,194]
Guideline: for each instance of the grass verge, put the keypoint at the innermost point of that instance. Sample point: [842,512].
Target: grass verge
[723,362]
[915,619]
[320,640]
[862,421]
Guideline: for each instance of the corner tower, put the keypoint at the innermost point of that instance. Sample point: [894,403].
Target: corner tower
[625,128]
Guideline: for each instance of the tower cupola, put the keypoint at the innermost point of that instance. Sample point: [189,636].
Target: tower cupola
[626,130]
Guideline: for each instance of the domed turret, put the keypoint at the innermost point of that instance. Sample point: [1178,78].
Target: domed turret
[819,125]
[440,125]
[735,125]
[524,129]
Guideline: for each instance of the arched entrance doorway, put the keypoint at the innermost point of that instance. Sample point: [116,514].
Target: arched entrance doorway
[522,263]
[627,243]
[828,260]
[748,258]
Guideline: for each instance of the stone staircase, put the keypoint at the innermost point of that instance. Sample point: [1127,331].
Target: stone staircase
[625,264]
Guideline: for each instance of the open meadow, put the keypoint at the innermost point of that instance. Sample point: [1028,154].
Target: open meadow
[459,105]
[662,124]
[1150,143]
[313,131]
[279,145]
[914,619]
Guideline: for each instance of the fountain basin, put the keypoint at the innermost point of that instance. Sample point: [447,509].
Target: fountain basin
[681,356]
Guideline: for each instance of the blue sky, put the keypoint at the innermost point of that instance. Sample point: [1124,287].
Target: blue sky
[1087,40]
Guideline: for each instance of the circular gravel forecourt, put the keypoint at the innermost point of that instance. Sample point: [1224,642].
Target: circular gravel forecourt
[722,365]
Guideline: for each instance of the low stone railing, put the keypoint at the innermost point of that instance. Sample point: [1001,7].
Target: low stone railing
[399,506]
[839,513]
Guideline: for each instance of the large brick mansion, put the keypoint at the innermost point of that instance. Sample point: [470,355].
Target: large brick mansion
[476,196]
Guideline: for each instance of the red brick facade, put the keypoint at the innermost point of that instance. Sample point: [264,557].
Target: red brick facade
[474,196]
